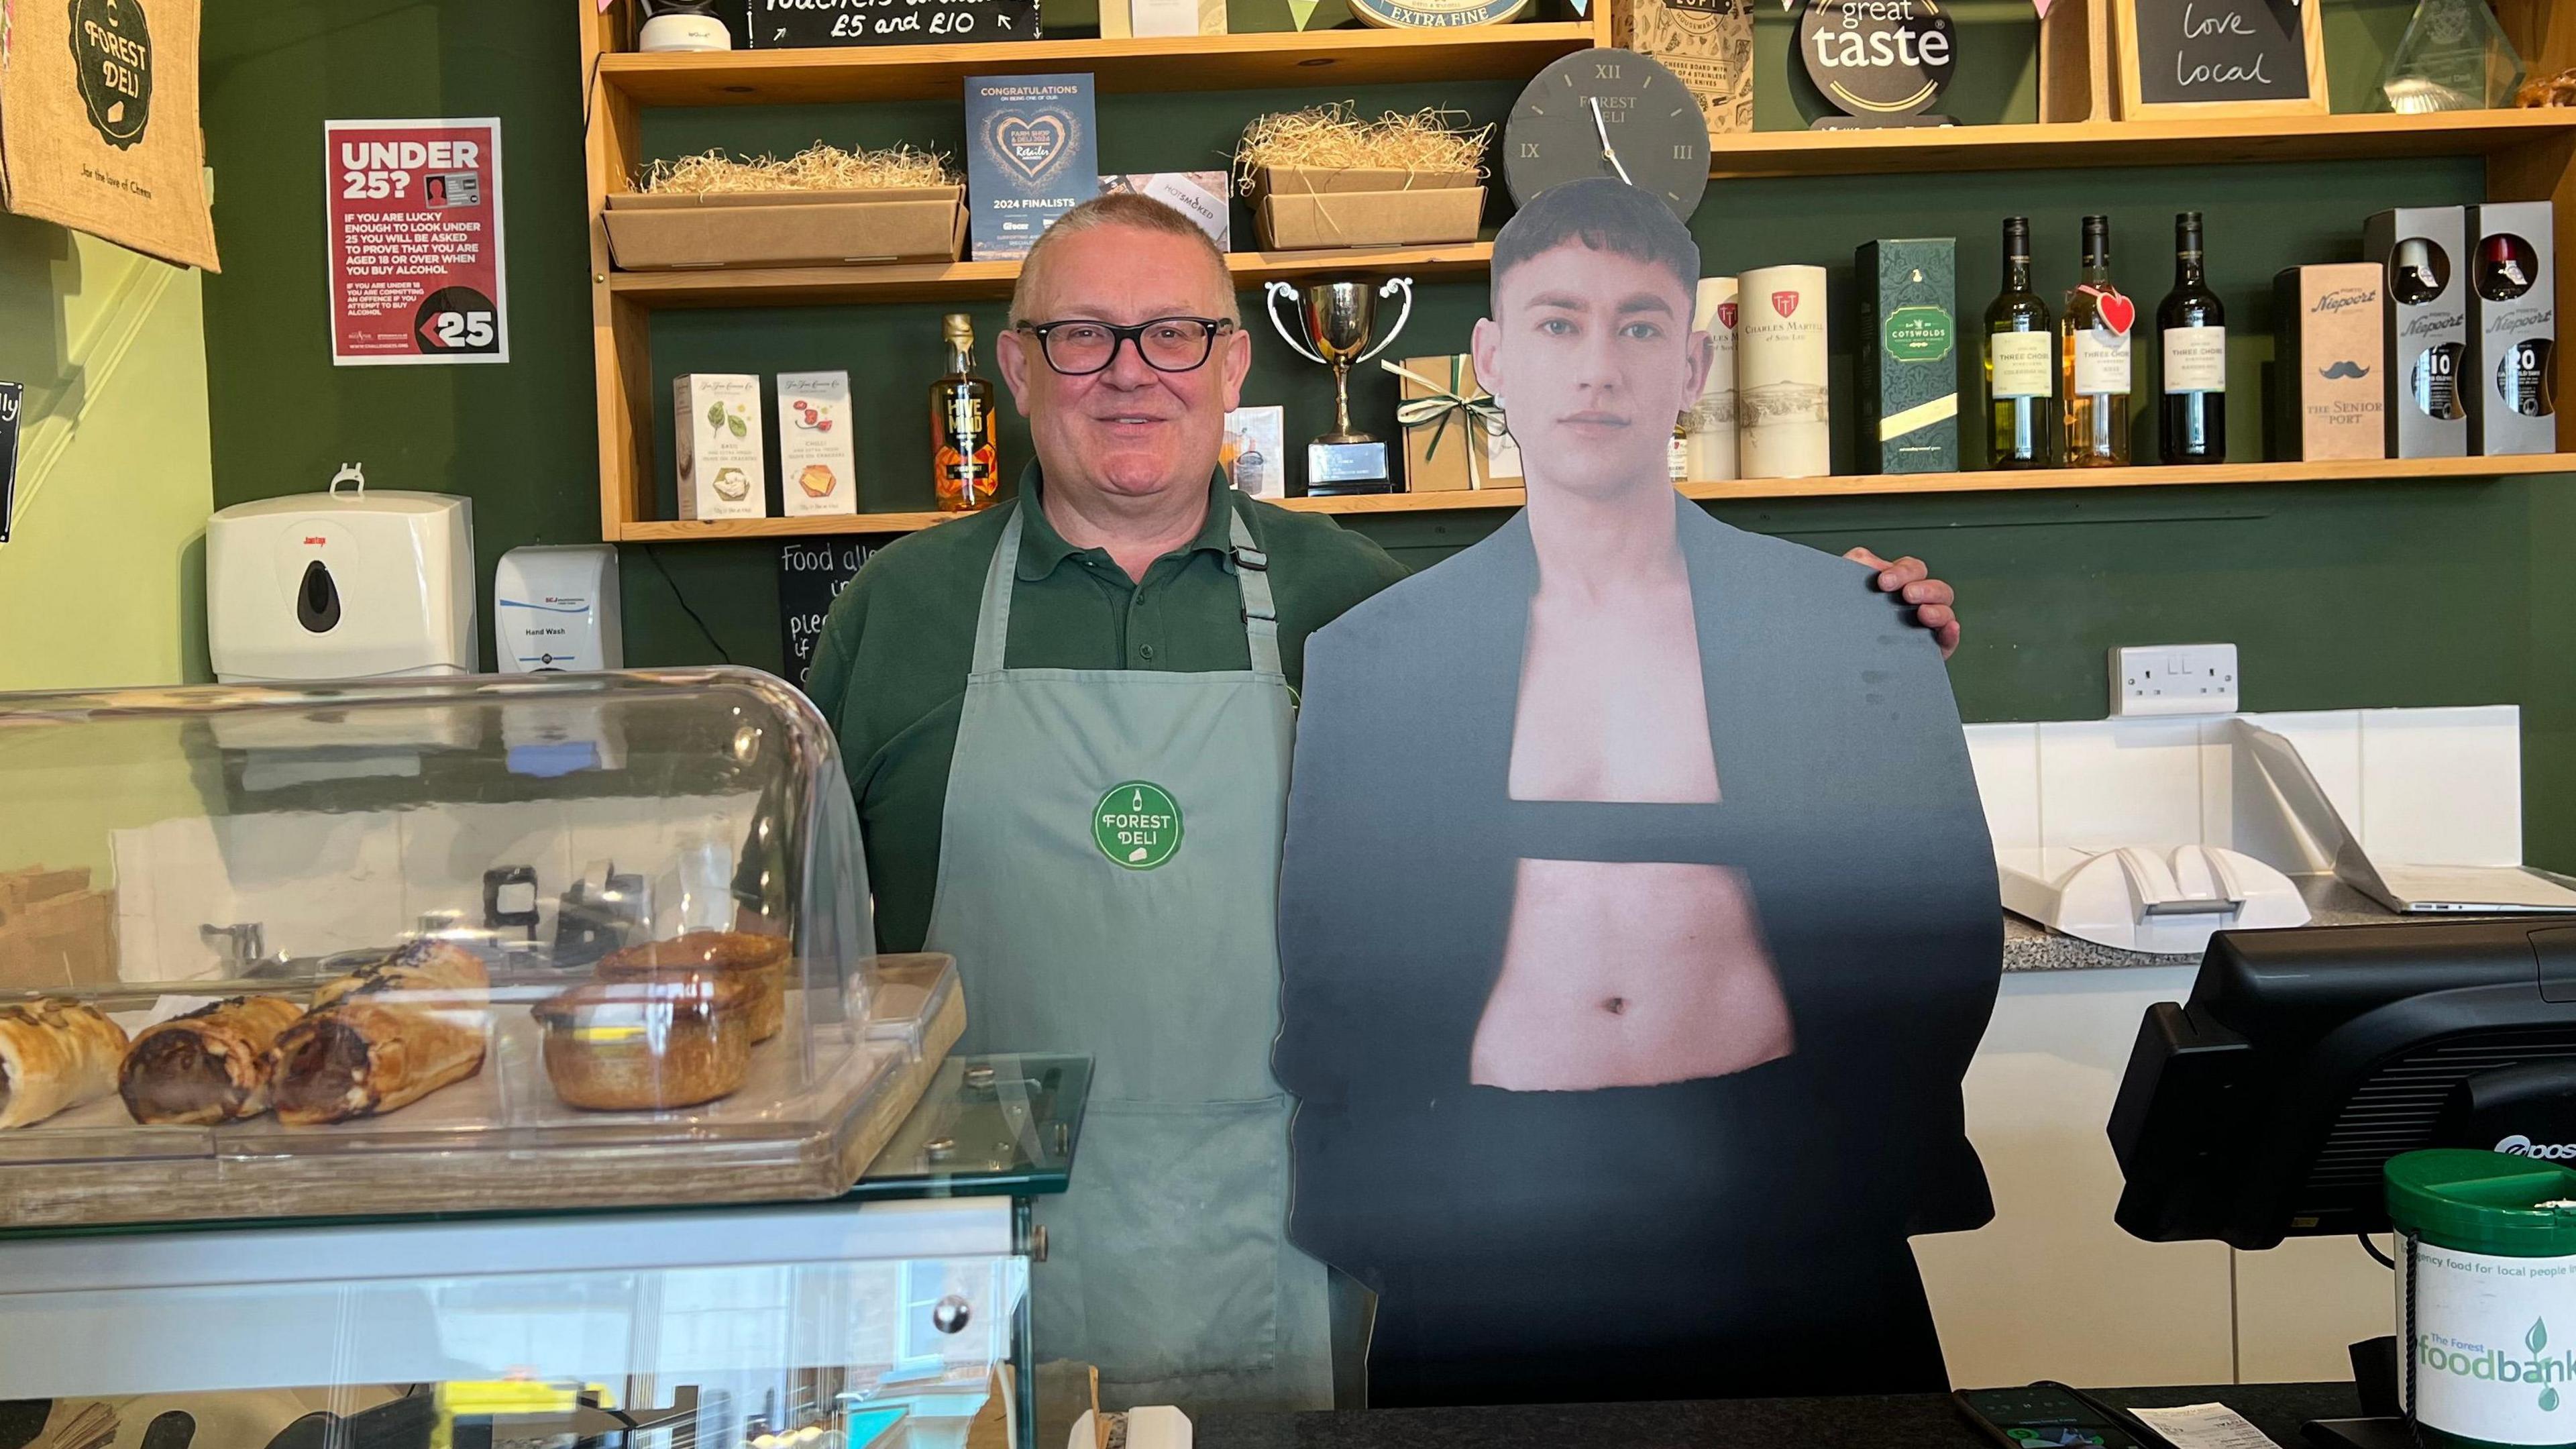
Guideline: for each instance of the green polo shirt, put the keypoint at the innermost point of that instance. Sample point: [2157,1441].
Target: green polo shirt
[890,669]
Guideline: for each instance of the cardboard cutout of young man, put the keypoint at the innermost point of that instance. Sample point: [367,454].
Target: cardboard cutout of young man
[1638,918]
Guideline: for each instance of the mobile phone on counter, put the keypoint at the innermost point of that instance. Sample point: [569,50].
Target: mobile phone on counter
[2046,1416]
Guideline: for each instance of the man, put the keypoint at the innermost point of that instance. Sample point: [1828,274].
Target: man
[1067,725]
[1638,918]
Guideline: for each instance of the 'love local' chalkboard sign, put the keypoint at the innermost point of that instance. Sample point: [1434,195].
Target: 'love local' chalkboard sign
[2258,55]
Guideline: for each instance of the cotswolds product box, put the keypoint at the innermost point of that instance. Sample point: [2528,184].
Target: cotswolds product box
[1909,366]
[2427,316]
[796,24]
[722,466]
[2513,329]
[2329,393]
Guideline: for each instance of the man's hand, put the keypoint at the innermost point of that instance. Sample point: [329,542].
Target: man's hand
[1911,579]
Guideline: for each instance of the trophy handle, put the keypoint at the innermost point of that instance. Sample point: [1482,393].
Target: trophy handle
[1270,304]
[1393,285]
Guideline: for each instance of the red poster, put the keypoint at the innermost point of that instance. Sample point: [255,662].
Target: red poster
[416,268]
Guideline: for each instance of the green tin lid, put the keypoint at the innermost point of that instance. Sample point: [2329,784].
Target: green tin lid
[2484,1202]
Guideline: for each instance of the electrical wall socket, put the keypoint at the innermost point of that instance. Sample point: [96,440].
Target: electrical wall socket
[2174,679]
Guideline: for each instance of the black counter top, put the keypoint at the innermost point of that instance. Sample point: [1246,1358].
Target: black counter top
[1921,1421]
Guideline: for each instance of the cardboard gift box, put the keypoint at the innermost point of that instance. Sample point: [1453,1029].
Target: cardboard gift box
[786,228]
[55,932]
[2328,336]
[1308,208]
[1454,437]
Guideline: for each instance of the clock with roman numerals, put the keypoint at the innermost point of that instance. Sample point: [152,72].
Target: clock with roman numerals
[1608,113]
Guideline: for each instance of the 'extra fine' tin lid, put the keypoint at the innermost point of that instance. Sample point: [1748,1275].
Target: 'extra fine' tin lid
[2484,1202]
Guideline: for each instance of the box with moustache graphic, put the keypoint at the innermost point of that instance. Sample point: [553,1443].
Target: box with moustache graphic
[2329,398]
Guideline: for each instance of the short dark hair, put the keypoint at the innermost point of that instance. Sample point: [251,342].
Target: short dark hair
[1606,215]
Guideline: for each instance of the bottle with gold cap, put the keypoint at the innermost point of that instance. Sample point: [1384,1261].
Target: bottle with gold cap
[965,462]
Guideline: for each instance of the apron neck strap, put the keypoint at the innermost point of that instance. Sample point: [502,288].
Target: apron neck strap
[1251,576]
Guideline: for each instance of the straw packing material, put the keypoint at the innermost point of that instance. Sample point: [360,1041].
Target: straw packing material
[816,168]
[1332,137]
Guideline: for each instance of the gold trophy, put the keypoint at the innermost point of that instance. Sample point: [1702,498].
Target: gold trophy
[1339,318]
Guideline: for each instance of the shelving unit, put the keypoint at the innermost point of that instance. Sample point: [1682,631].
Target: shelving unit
[977,281]
[1750,489]
[2529,155]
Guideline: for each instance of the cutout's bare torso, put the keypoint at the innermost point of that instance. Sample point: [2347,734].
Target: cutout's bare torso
[1623,974]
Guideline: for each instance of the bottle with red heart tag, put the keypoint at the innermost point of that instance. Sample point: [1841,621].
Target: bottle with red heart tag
[2098,322]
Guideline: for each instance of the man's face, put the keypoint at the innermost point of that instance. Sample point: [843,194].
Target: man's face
[1593,356]
[1129,430]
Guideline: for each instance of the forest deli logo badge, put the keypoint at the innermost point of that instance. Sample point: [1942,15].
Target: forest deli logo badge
[1918,334]
[1137,825]
[112,61]
[2490,1366]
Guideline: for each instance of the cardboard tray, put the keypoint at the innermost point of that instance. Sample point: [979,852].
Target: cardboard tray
[1321,181]
[787,228]
[1301,221]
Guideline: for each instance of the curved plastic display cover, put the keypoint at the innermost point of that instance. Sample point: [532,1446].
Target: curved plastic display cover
[436,945]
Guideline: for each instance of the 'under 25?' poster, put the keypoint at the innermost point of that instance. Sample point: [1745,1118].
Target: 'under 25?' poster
[417,274]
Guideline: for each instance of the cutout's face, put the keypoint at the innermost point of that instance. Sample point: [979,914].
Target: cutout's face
[1593,356]
[1127,430]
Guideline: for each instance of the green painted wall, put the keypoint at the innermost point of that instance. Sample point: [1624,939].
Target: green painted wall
[104,581]
[2340,596]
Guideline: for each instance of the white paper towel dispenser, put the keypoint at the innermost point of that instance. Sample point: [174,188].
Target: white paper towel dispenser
[346,584]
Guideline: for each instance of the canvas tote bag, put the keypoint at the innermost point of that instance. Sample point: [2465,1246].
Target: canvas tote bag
[98,122]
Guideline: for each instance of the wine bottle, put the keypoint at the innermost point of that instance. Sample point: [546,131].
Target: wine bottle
[2192,426]
[965,460]
[2021,362]
[2097,326]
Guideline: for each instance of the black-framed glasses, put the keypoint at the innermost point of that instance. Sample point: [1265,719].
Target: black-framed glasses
[1079,347]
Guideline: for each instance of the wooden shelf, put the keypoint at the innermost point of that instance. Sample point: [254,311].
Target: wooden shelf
[971,281]
[2364,470]
[1258,61]
[2133,143]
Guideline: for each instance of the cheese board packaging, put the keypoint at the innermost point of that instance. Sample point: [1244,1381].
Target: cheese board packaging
[398,963]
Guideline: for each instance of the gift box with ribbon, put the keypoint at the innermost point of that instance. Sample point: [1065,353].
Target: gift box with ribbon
[1454,434]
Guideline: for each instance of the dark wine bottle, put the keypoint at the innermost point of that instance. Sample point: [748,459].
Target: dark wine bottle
[2021,362]
[2192,426]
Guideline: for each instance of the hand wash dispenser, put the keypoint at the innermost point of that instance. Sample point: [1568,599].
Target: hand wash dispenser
[346,584]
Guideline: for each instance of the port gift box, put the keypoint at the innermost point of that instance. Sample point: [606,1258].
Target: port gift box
[786,228]
[2329,388]
[2425,290]
[2512,271]
[1300,208]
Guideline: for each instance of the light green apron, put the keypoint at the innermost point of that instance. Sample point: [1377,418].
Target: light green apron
[1108,871]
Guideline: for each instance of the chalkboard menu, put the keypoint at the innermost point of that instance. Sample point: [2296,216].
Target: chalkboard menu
[10,393]
[810,576]
[2266,53]
[783,24]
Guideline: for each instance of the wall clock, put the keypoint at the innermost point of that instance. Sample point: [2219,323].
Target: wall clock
[1608,113]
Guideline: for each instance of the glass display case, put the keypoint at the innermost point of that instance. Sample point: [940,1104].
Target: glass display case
[439,945]
[895,1318]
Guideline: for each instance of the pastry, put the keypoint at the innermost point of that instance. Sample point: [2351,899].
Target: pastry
[383,1037]
[54,1055]
[760,960]
[674,1039]
[208,1066]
